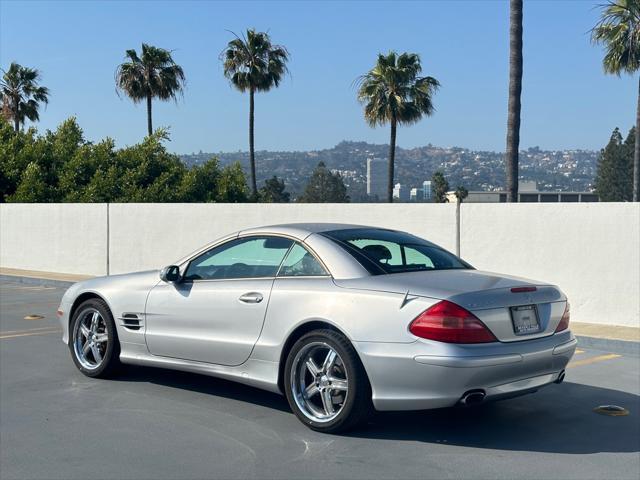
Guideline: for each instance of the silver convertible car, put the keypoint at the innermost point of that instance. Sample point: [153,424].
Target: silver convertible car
[342,319]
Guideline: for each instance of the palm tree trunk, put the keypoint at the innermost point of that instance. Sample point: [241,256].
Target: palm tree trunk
[515,90]
[149,123]
[16,117]
[636,152]
[252,154]
[392,160]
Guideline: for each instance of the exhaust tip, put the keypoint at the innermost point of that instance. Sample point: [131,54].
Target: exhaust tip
[473,397]
[560,378]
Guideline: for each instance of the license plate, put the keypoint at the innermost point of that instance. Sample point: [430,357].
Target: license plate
[525,319]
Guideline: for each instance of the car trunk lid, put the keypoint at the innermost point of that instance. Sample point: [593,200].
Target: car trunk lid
[489,296]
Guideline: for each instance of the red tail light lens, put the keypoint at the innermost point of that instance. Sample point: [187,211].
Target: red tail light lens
[524,289]
[564,321]
[447,322]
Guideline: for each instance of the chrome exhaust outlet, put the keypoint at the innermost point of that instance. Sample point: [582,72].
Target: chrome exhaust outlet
[560,378]
[473,397]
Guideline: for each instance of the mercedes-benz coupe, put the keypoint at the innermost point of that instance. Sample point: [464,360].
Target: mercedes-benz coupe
[342,319]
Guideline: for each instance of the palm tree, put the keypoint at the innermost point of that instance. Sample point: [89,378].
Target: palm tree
[252,63]
[152,75]
[619,31]
[515,90]
[392,92]
[21,95]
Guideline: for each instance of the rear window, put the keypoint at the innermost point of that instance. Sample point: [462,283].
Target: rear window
[387,251]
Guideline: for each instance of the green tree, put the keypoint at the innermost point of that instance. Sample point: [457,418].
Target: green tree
[21,95]
[16,152]
[151,75]
[630,144]
[274,191]
[200,182]
[515,91]
[33,186]
[461,193]
[253,64]
[619,31]
[613,179]
[324,187]
[83,178]
[61,166]
[233,184]
[393,92]
[440,187]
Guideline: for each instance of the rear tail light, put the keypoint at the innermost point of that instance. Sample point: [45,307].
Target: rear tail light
[564,321]
[447,322]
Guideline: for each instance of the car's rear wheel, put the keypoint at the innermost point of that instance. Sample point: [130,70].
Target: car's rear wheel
[325,383]
[94,343]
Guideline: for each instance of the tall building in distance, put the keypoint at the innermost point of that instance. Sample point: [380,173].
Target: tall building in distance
[401,192]
[377,178]
[426,190]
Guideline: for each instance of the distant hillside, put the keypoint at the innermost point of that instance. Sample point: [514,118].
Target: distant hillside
[476,170]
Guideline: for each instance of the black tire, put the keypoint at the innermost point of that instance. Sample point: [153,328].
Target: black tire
[357,405]
[110,364]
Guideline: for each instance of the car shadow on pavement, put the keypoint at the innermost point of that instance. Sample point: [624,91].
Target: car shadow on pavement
[216,387]
[557,419]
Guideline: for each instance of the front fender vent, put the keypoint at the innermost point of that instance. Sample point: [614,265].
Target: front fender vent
[131,321]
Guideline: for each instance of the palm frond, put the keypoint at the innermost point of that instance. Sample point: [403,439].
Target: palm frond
[154,73]
[253,62]
[618,30]
[21,94]
[393,90]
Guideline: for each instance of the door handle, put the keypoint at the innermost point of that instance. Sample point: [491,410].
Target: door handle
[251,297]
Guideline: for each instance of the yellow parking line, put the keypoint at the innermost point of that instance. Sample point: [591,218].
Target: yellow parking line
[28,287]
[579,351]
[28,333]
[588,361]
[27,330]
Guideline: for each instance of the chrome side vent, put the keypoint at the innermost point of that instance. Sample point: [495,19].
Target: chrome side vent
[131,321]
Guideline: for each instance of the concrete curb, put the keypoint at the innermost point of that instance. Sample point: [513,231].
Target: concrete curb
[43,282]
[612,345]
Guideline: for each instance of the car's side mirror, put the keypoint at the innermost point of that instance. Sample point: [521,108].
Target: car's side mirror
[170,274]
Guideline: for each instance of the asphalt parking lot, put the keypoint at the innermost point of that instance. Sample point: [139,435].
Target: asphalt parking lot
[150,423]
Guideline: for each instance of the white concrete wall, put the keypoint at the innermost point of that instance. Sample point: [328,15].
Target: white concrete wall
[591,250]
[147,236]
[69,238]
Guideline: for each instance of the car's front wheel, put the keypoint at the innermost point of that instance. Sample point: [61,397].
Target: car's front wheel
[94,341]
[325,382]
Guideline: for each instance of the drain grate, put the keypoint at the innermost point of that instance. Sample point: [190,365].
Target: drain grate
[611,410]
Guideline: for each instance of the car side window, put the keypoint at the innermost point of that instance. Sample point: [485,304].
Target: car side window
[301,263]
[416,258]
[252,257]
[388,253]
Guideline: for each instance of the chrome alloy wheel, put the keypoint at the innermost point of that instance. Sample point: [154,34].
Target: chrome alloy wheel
[91,339]
[319,382]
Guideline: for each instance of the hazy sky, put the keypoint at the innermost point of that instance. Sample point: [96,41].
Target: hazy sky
[567,101]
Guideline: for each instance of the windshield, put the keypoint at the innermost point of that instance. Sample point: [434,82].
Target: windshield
[386,251]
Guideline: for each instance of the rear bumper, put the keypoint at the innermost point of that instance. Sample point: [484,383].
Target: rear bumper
[425,374]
